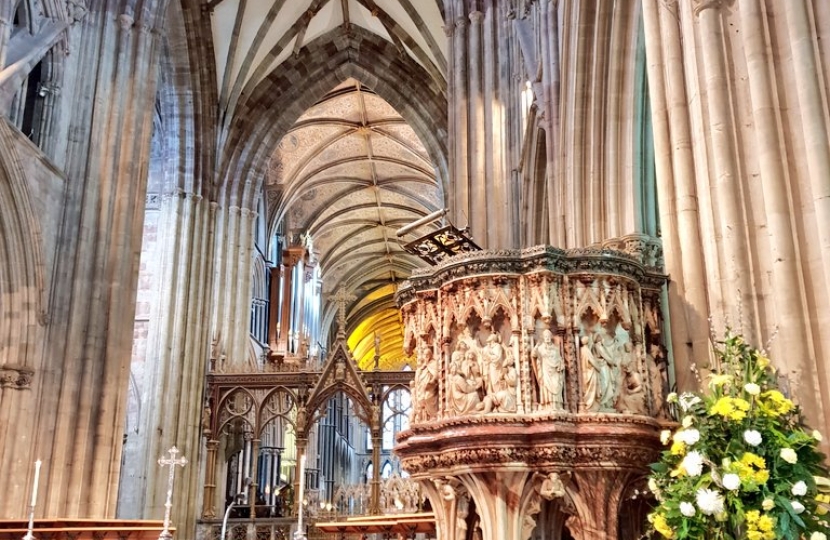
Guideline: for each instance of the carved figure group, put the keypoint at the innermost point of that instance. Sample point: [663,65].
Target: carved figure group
[482,373]
[482,379]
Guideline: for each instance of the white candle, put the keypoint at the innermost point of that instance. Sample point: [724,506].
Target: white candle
[37,478]
[302,490]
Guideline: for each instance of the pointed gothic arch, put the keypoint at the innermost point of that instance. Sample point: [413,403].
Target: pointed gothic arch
[282,97]
[340,374]
[21,262]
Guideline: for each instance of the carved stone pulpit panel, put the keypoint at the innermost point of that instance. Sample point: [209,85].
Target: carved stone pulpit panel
[537,364]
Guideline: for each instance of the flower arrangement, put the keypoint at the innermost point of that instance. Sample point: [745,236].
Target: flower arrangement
[741,464]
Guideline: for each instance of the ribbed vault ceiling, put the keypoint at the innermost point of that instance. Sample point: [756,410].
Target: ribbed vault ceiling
[251,38]
[351,172]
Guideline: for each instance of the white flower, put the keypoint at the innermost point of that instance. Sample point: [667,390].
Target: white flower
[789,455]
[752,389]
[818,536]
[797,507]
[688,400]
[687,509]
[768,504]
[688,420]
[709,501]
[665,436]
[672,397]
[731,481]
[693,463]
[687,436]
[799,488]
[817,436]
[652,485]
[752,437]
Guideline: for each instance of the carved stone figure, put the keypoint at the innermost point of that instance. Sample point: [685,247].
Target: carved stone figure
[492,358]
[549,368]
[656,377]
[591,374]
[503,380]
[552,487]
[608,371]
[458,355]
[465,384]
[426,384]
[632,396]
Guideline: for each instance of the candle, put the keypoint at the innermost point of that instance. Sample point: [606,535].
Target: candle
[302,490]
[37,478]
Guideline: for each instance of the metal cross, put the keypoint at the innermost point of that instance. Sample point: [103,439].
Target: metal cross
[172,461]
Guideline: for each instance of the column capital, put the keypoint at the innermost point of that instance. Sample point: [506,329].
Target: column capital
[702,5]
[476,17]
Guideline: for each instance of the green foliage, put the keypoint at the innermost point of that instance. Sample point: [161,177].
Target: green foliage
[742,464]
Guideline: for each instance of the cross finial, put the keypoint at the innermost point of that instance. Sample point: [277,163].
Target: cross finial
[172,461]
[341,297]
[377,350]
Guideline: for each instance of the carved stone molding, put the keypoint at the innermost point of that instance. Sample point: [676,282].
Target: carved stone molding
[18,377]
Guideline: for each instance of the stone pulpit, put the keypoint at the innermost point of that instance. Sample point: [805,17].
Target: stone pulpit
[539,391]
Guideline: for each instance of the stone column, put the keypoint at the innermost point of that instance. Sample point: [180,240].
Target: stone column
[596,496]
[176,361]
[505,501]
[677,193]
[736,279]
[79,423]
[480,120]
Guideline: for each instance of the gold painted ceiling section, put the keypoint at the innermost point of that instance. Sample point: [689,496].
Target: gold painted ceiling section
[351,172]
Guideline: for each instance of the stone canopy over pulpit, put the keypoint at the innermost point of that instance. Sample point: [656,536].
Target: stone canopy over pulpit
[539,390]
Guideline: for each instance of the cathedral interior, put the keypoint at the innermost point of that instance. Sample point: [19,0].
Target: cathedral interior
[427,265]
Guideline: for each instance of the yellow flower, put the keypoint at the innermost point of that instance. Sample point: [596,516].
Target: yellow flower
[661,525]
[773,403]
[768,504]
[752,516]
[763,361]
[754,460]
[677,448]
[766,523]
[730,408]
